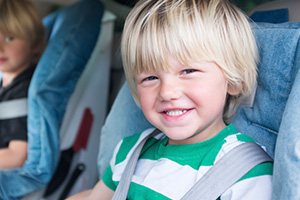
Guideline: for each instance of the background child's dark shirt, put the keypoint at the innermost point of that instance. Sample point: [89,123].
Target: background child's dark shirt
[15,129]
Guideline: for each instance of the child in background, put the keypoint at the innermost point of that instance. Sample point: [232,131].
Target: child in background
[21,44]
[188,63]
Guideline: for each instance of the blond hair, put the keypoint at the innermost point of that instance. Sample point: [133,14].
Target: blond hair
[191,31]
[21,19]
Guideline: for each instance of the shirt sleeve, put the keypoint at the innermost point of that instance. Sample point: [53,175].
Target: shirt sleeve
[107,179]
[108,175]
[13,129]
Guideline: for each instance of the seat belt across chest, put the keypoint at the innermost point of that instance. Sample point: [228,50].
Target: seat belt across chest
[13,108]
[231,167]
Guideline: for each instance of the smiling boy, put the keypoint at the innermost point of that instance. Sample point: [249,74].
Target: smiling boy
[189,64]
[185,102]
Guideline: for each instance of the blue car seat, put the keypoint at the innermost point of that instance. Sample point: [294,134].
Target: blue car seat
[72,35]
[277,11]
[85,114]
[271,118]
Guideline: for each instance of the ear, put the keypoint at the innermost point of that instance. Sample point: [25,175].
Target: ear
[234,89]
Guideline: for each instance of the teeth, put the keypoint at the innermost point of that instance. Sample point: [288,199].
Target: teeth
[175,112]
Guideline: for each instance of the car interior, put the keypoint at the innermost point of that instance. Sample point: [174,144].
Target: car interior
[78,94]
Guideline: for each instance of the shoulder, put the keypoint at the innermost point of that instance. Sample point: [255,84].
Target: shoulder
[124,151]
[231,141]
[17,89]
[257,183]
[127,145]
[237,139]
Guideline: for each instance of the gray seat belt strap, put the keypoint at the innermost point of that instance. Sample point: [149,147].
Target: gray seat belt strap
[13,108]
[123,186]
[229,169]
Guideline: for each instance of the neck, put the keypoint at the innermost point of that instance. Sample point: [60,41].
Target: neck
[8,77]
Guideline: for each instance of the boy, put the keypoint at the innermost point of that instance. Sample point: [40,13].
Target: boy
[21,43]
[188,63]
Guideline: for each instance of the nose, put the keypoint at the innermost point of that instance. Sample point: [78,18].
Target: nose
[169,90]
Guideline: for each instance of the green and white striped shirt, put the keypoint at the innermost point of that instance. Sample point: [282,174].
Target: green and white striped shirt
[168,172]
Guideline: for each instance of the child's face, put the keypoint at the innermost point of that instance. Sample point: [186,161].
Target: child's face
[15,54]
[186,103]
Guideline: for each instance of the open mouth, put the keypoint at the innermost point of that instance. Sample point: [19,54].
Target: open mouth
[175,112]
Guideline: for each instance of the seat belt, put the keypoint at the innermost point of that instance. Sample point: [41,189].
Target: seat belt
[123,186]
[13,108]
[231,167]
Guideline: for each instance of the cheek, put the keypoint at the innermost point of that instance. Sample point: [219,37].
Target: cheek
[144,98]
[147,108]
[147,103]
[218,99]
[21,55]
[212,94]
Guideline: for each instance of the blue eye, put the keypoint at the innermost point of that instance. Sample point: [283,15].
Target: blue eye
[188,71]
[150,78]
[9,38]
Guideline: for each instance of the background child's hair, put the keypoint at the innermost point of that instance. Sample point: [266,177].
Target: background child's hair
[191,31]
[21,19]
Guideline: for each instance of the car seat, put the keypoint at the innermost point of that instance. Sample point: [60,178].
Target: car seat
[71,56]
[85,114]
[279,10]
[287,157]
[270,116]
